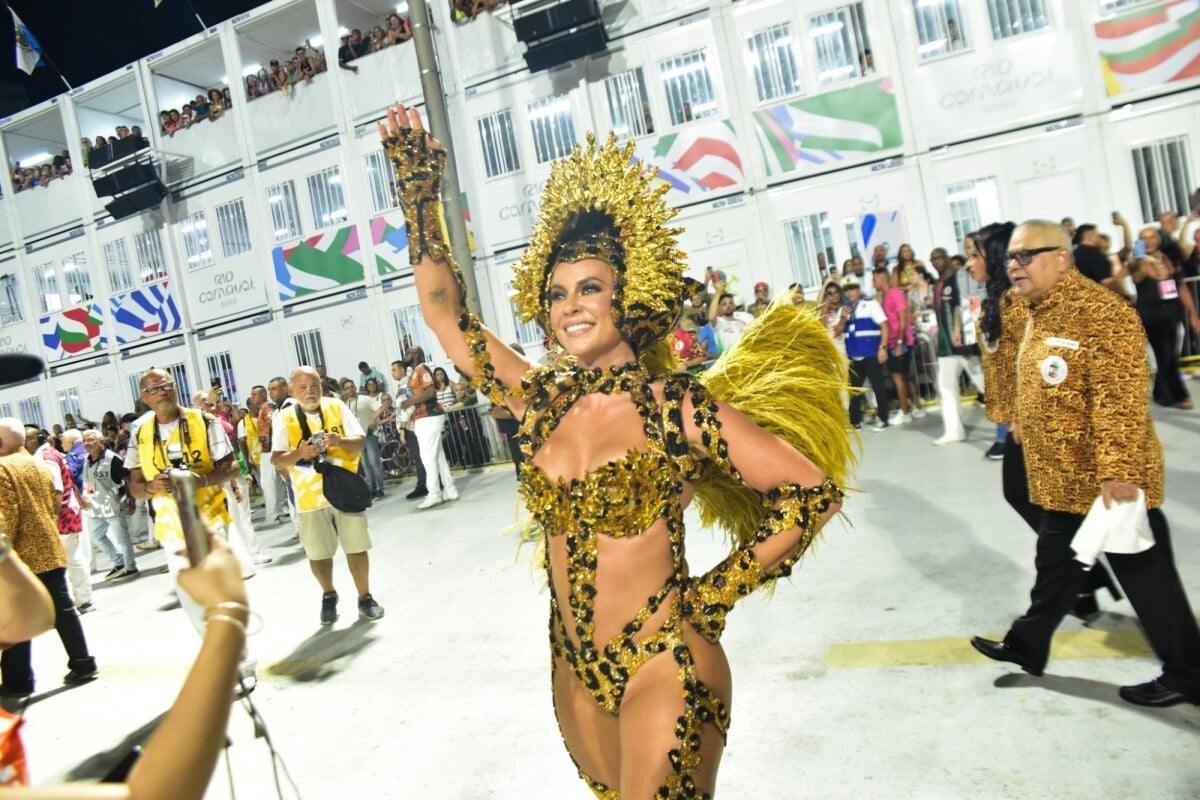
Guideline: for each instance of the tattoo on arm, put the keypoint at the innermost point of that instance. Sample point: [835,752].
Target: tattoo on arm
[440,296]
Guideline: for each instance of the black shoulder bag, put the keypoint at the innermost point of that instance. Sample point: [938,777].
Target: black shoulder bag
[344,489]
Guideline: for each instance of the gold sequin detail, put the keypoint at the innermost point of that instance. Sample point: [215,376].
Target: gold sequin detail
[418,170]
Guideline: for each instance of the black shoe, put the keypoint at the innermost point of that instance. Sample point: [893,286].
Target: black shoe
[368,608]
[995,452]
[1154,694]
[87,607]
[329,613]
[123,575]
[1001,651]
[420,491]
[81,675]
[1085,606]
[114,572]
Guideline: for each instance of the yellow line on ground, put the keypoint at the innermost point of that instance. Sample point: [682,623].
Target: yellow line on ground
[958,650]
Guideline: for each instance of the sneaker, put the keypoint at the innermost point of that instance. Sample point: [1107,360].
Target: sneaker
[86,607]
[941,440]
[903,419]
[879,425]
[420,491]
[261,559]
[856,425]
[123,575]
[377,496]
[114,572]
[919,413]
[81,675]
[368,608]
[151,545]
[995,452]
[450,494]
[430,501]
[895,418]
[329,613]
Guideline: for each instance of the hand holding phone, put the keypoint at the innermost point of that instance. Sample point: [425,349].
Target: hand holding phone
[195,537]
[1139,248]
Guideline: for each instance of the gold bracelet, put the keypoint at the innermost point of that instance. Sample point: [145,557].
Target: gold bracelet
[227,618]
[229,604]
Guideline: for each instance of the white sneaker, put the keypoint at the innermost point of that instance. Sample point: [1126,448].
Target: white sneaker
[902,419]
[432,499]
[450,494]
[941,440]
[919,413]
[879,425]
[895,418]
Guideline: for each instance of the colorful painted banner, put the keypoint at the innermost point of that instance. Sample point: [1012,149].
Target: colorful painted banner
[318,263]
[1150,46]
[144,312]
[73,332]
[700,158]
[389,234]
[834,126]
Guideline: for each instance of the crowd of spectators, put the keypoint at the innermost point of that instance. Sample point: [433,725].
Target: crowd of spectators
[355,44]
[462,11]
[41,175]
[283,76]
[208,106]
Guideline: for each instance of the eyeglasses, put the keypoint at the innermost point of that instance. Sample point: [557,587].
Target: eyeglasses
[158,388]
[1025,257]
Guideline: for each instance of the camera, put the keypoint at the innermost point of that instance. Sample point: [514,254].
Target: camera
[176,456]
[318,438]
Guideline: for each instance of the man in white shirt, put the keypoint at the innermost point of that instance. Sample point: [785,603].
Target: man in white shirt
[727,324]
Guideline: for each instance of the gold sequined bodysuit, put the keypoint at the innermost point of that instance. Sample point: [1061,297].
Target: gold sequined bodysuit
[625,498]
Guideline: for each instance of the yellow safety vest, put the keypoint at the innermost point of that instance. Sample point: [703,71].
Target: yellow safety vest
[307,483]
[253,445]
[153,457]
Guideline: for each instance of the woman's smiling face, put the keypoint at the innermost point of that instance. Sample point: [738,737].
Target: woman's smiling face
[581,313]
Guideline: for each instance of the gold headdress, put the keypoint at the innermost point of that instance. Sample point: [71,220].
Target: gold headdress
[599,204]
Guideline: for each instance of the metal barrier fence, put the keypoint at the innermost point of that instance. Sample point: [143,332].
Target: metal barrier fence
[1189,355]
[470,440]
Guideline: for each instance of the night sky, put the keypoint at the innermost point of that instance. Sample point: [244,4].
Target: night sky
[89,38]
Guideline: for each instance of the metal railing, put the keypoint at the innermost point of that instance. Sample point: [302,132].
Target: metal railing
[470,439]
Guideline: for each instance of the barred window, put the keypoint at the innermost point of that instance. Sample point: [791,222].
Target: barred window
[1164,176]
[970,203]
[47,283]
[194,229]
[552,127]
[328,200]
[183,386]
[939,27]
[382,181]
[152,264]
[135,387]
[68,403]
[688,86]
[499,143]
[10,301]
[120,269]
[529,334]
[411,329]
[6,409]
[810,245]
[76,280]
[31,411]
[285,211]
[772,56]
[234,230]
[628,104]
[851,224]
[220,368]
[310,348]
[1014,17]
[842,43]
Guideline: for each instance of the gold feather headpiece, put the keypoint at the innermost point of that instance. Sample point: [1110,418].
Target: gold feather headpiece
[599,204]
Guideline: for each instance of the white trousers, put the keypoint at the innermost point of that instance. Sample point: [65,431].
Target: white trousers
[437,469]
[275,494]
[242,538]
[78,574]
[948,372]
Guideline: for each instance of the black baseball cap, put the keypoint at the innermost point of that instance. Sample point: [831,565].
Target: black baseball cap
[17,367]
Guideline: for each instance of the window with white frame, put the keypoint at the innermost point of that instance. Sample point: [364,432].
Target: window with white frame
[499,143]
[842,43]
[183,386]
[31,411]
[194,230]
[233,228]
[1112,6]
[135,387]
[529,334]
[310,348]
[76,280]
[940,28]
[328,199]
[47,284]
[552,127]
[810,245]
[68,403]
[220,368]
[285,211]
[1164,176]
[851,224]
[10,301]
[773,62]
[118,265]
[381,181]
[6,409]
[411,329]
[628,104]
[688,86]
[1014,17]
[152,264]
[970,203]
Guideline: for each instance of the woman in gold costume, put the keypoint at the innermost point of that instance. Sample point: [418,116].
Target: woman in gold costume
[618,441]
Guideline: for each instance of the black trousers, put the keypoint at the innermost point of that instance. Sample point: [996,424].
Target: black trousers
[1162,333]
[15,661]
[510,428]
[1149,578]
[414,456]
[860,371]
[1016,493]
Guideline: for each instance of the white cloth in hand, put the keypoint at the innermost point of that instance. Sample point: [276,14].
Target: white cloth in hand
[1124,528]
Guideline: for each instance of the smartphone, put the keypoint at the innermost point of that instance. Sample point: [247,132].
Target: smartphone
[1139,248]
[1116,217]
[318,438]
[216,383]
[194,534]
